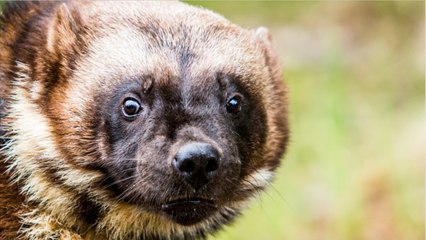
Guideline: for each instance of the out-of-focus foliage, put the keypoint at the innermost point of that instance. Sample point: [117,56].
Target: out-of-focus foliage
[355,165]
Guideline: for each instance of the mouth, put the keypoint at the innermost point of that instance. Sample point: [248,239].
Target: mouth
[188,211]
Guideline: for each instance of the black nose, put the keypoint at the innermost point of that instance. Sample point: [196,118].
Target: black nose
[197,163]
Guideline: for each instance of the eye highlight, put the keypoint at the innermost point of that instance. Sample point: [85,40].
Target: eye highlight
[234,105]
[131,108]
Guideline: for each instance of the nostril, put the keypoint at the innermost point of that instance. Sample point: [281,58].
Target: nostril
[186,166]
[212,165]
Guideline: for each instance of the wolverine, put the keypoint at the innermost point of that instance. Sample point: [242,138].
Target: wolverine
[133,120]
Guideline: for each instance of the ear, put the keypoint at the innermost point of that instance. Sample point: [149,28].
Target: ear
[264,39]
[276,99]
[62,32]
[262,33]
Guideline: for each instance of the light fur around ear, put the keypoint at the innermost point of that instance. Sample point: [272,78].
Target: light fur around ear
[278,131]
[263,34]
[265,39]
[62,33]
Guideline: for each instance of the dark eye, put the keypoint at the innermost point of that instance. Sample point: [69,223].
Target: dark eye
[131,108]
[234,105]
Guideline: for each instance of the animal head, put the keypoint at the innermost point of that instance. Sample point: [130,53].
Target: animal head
[146,118]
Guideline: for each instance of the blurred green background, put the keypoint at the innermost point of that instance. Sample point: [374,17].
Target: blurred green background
[355,165]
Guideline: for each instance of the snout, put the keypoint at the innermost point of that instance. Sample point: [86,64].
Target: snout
[197,162]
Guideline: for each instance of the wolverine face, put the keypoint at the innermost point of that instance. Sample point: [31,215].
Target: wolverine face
[152,117]
[176,129]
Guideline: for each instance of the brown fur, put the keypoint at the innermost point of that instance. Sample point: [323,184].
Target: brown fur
[10,207]
[72,168]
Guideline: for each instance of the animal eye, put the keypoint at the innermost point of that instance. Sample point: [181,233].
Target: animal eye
[234,105]
[131,108]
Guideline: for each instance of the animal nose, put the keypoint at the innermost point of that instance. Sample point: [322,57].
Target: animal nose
[198,163]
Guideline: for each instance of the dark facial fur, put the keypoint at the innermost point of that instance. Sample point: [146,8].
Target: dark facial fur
[133,120]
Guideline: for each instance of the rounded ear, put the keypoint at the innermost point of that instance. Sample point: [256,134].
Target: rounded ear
[276,99]
[62,32]
[263,34]
[264,38]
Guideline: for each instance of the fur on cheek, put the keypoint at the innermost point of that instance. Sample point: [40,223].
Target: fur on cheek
[258,179]
[30,147]
[43,226]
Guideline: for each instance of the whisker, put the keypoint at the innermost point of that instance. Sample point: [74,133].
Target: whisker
[115,182]
[271,186]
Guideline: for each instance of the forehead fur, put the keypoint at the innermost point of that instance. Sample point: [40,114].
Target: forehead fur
[169,45]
